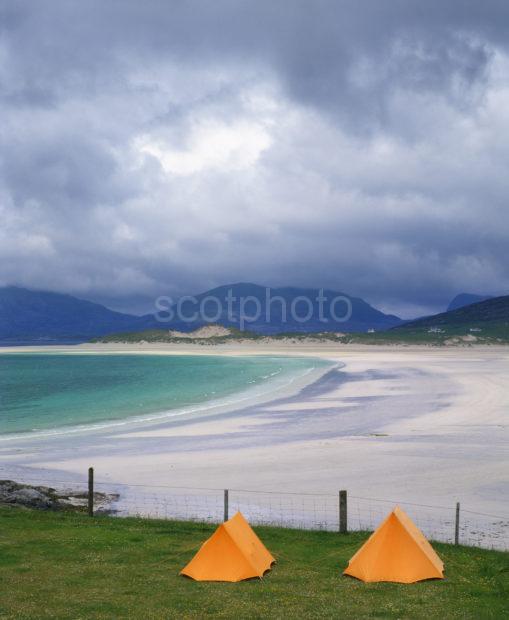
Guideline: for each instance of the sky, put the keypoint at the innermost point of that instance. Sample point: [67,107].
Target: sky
[167,147]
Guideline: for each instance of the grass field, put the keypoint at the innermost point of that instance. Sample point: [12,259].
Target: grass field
[64,565]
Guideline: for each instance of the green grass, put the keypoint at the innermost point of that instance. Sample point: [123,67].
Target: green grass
[63,565]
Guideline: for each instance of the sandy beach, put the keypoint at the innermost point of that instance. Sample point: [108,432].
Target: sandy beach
[409,424]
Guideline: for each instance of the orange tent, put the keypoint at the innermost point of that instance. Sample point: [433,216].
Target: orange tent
[396,551]
[233,553]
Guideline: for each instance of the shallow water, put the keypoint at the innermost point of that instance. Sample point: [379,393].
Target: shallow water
[48,391]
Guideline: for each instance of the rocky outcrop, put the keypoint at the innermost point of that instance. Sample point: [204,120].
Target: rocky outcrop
[46,498]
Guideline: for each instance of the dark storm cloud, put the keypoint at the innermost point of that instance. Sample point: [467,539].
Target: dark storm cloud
[164,147]
[328,53]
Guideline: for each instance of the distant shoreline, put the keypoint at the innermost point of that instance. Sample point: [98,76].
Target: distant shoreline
[263,347]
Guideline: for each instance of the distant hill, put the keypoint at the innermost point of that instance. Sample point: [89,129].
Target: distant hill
[28,316]
[483,323]
[363,316]
[39,316]
[465,299]
[485,314]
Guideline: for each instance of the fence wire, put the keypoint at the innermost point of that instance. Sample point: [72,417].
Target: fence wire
[314,511]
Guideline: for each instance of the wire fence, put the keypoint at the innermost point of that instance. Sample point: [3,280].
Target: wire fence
[316,511]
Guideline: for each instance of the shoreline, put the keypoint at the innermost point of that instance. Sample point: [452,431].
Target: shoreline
[246,397]
[414,425]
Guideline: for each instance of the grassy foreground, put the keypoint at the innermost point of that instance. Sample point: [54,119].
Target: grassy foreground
[64,565]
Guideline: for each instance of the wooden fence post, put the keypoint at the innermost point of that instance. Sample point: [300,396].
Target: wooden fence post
[457,525]
[343,521]
[90,491]
[226,504]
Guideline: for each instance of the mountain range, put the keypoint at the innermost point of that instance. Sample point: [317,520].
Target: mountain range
[38,316]
[28,316]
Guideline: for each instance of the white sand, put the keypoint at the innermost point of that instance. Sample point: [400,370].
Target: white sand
[411,424]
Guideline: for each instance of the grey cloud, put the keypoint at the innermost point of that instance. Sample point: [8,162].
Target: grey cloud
[313,46]
[383,174]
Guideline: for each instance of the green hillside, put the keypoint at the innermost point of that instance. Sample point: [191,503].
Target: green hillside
[488,313]
[68,566]
[484,322]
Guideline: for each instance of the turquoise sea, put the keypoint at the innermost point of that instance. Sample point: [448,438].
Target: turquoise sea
[41,392]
